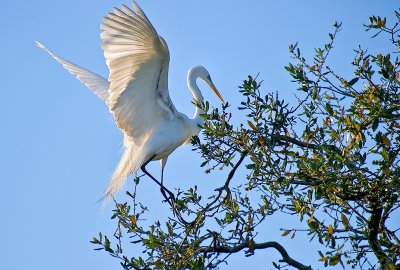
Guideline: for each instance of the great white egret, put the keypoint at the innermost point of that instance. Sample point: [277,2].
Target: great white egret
[137,95]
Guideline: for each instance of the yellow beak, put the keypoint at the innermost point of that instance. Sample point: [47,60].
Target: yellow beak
[217,93]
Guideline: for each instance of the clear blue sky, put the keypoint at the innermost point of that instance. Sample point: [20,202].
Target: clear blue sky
[59,144]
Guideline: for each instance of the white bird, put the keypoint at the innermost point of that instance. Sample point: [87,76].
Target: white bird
[137,95]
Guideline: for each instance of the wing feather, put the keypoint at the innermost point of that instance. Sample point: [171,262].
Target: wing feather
[138,61]
[94,82]
[127,10]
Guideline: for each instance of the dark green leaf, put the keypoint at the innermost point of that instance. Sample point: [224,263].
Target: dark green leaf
[329,109]
[353,81]
[375,124]
[334,260]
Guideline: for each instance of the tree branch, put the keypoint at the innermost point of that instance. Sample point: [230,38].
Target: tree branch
[271,244]
[374,228]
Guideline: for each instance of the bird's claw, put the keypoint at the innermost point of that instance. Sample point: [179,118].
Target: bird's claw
[170,198]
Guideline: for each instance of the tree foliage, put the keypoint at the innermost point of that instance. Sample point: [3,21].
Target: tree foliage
[330,159]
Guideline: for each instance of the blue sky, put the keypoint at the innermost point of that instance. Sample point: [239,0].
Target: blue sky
[59,144]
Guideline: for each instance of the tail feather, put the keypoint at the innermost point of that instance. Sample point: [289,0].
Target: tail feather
[131,161]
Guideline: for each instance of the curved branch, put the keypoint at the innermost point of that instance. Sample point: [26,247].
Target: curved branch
[210,206]
[271,244]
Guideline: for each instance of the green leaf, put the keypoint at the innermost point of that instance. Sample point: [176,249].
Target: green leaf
[107,245]
[334,260]
[296,206]
[286,232]
[353,81]
[385,140]
[375,124]
[344,219]
[95,241]
[328,108]
[159,265]
[170,230]
[252,125]
[251,166]
[384,73]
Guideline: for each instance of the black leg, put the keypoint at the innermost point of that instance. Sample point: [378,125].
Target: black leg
[163,189]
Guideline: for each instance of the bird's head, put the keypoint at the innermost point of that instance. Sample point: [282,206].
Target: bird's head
[202,73]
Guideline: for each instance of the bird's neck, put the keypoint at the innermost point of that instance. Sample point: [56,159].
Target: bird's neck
[198,98]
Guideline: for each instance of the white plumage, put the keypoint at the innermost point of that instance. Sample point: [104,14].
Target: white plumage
[137,95]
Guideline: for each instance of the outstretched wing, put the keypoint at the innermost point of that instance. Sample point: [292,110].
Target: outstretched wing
[138,61]
[94,82]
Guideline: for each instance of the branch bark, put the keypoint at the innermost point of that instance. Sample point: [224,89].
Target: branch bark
[374,228]
[271,244]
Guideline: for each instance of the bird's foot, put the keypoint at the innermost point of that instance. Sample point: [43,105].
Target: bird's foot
[170,198]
